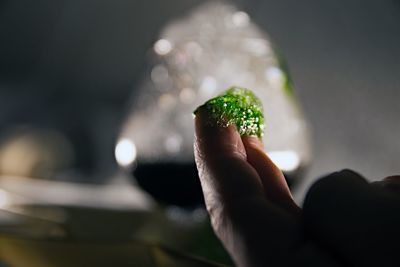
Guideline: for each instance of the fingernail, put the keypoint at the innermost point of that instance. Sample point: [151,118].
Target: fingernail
[204,116]
[196,111]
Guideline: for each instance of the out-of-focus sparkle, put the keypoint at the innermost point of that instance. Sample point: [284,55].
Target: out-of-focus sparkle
[162,47]
[173,143]
[256,46]
[286,160]
[244,78]
[193,49]
[181,59]
[159,74]
[275,77]
[166,101]
[208,86]
[125,152]
[187,95]
[240,19]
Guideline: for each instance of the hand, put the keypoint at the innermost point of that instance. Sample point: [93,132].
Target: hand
[345,221]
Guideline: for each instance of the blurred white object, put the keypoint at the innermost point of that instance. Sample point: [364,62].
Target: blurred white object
[197,57]
[53,209]
[35,153]
[22,191]
[125,152]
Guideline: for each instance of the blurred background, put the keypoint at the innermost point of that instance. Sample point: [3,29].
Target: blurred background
[72,66]
[69,71]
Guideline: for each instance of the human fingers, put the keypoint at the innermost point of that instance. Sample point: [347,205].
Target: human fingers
[354,220]
[275,187]
[255,231]
[391,184]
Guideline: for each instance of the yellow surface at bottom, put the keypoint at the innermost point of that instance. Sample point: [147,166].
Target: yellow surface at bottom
[40,253]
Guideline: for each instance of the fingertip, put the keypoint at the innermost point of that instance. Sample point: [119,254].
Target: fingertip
[343,179]
[213,140]
[389,184]
[336,193]
[344,211]
[392,178]
[350,173]
[226,177]
[339,183]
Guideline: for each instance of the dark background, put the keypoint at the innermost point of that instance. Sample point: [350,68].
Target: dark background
[72,65]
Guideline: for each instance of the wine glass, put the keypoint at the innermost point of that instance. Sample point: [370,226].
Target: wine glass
[196,57]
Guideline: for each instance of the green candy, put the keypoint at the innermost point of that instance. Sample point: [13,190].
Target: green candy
[240,107]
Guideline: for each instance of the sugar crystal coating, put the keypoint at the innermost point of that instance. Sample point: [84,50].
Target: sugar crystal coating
[240,107]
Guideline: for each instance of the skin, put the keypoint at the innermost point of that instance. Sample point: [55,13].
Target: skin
[345,221]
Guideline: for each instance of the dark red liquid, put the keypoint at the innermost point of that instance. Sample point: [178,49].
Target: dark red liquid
[171,183]
[178,183]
